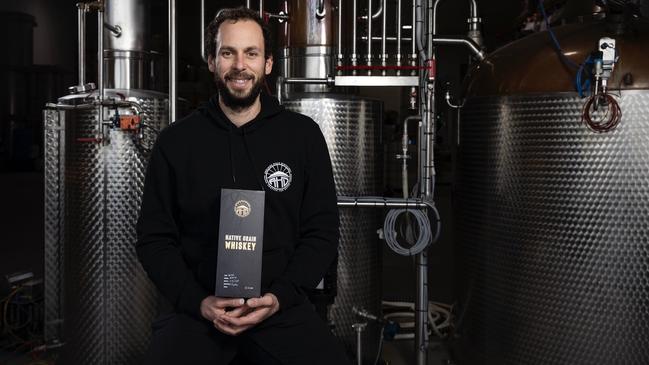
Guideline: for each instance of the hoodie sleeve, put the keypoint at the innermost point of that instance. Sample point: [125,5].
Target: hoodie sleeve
[158,239]
[318,235]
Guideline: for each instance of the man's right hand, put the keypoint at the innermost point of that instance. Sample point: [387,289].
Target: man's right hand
[212,307]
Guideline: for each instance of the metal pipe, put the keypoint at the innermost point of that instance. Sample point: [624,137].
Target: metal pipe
[421,309]
[428,181]
[306,80]
[320,11]
[369,34]
[381,202]
[279,86]
[398,36]
[359,327]
[203,55]
[404,154]
[81,41]
[375,15]
[340,35]
[429,38]
[414,28]
[473,8]
[434,29]
[172,61]
[387,38]
[115,29]
[100,68]
[261,9]
[470,43]
[419,30]
[384,55]
[354,54]
[474,19]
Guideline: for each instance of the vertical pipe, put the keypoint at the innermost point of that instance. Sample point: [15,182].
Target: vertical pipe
[261,9]
[248,4]
[429,37]
[172,61]
[414,35]
[398,36]
[421,309]
[100,69]
[473,8]
[340,34]
[435,16]
[203,56]
[279,85]
[354,36]
[384,55]
[369,35]
[81,40]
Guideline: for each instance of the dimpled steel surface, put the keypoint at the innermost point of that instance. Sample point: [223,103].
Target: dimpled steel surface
[350,129]
[108,301]
[554,230]
[54,224]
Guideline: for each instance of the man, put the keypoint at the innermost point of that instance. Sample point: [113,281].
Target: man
[239,140]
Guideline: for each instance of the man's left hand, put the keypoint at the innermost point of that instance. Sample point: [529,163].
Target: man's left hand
[255,311]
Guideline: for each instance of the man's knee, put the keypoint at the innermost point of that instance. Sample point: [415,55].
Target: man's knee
[181,339]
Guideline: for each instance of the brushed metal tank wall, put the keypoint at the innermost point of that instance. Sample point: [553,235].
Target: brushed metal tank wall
[350,129]
[553,230]
[107,301]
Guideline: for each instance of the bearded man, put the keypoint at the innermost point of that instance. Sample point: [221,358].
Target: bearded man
[240,139]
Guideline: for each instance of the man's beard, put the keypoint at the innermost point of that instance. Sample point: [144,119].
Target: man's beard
[237,102]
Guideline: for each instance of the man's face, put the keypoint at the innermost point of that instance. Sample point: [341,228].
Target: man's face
[239,65]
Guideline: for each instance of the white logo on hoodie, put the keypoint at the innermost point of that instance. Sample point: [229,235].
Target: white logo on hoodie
[278,176]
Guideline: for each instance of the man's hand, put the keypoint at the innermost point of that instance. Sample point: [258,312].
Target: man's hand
[212,307]
[240,319]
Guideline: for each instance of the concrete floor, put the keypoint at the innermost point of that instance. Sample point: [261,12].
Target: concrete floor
[394,353]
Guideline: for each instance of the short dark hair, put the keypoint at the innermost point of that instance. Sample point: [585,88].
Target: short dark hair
[234,15]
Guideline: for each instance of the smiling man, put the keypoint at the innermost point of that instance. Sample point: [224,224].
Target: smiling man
[241,139]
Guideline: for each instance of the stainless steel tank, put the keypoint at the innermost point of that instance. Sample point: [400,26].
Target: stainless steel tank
[552,217]
[307,44]
[350,126]
[129,62]
[99,301]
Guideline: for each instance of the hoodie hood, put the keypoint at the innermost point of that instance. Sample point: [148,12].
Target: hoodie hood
[269,108]
[212,110]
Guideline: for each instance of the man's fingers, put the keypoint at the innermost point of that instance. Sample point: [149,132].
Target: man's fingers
[228,329]
[216,312]
[229,302]
[265,301]
[251,318]
[238,312]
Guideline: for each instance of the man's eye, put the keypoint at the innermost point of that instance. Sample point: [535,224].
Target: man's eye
[226,53]
[253,54]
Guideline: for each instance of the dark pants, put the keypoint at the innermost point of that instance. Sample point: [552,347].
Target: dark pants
[295,336]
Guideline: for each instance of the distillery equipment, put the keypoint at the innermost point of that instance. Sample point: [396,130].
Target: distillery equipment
[552,198]
[99,302]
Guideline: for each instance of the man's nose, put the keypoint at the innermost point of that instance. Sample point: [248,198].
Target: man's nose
[239,63]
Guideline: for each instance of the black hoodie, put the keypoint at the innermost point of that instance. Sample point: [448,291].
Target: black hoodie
[197,156]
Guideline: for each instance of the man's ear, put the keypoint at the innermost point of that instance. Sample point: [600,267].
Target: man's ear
[211,63]
[269,64]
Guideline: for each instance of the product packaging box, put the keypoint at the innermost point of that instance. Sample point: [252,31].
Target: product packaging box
[241,229]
